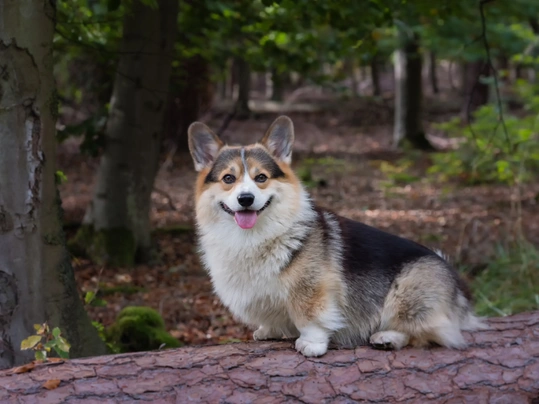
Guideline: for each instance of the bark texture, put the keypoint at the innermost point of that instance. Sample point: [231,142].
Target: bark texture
[433,77]
[375,76]
[36,277]
[119,212]
[409,93]
[500,366]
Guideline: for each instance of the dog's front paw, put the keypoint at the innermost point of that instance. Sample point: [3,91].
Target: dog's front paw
[264,333]
[311,348]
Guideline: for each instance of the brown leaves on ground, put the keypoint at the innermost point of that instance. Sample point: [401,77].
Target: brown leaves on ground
[24,368]
[51,384]
[466,223]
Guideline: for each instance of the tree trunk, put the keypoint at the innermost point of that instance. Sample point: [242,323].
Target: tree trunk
[118,219]
[409,93]
[36,277]
[244,88]
[433,77]
[375,76]
[277,87]
[476,93]
[500,366]
[194,95]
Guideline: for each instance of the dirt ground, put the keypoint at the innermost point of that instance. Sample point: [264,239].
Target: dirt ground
[465,222]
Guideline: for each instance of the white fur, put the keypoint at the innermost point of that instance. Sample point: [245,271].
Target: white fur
[313,341]
[245,264]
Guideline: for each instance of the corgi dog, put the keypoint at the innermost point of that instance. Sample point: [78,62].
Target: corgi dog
[293,270]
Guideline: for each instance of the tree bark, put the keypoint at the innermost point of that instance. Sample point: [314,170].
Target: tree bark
[36,277]
[500,365]
[194,95]
[409,93]
[244,88]
[476,93]
[118,218]
[375,76]
[433,77]
[277,85]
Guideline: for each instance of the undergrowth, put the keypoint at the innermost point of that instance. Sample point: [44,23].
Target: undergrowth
[510,282]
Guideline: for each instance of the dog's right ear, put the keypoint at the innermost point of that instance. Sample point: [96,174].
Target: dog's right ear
[203,145]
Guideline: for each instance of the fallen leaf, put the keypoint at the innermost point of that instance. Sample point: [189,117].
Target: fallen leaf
[55,360]
[51,384]
[24,368]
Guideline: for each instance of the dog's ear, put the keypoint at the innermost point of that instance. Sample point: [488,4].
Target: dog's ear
[279,139]
[203,145]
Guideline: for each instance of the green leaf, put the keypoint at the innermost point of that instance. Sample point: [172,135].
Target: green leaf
[62,344]
[56,332]
[89,297]
[41,355]
[30,342]
[62,354]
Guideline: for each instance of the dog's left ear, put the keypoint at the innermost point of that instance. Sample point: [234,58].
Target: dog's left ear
[204,145]
[279,139]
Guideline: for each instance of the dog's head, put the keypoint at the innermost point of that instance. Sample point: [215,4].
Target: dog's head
[245,186]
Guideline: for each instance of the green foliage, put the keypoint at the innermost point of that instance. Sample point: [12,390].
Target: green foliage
[328,164]
[492,151]
[46,340]
[509,283]
[60,177]
[139,328]
[398,174]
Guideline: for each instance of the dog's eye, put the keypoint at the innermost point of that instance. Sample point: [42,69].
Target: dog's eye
[261,178]
[229,179]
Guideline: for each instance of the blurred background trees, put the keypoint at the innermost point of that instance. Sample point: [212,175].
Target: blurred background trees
[456,79]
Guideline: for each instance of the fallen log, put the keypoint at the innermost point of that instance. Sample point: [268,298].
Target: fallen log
[501,365]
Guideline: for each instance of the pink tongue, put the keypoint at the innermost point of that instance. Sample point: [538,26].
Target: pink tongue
[245,218]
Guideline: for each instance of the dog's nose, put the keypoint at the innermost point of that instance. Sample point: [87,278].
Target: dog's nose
[246,200]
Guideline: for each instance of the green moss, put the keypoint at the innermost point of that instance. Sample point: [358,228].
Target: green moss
[140,328]
[122,289]
[114,246]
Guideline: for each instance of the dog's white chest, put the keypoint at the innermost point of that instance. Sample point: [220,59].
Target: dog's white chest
[247,281]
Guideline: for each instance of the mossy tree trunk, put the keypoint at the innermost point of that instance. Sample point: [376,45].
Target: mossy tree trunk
[409,92]
[117,222]
[36,277]
[243,71]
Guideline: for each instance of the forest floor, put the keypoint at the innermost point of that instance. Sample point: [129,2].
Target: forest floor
[467,223]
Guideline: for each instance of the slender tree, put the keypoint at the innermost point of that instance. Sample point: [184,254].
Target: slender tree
[409,91]
[36,277]
[117,222]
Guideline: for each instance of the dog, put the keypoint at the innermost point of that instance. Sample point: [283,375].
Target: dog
[295,270]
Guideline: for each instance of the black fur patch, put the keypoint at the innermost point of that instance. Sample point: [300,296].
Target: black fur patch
[222,162]
[369,251]
[224,159]
[266,161]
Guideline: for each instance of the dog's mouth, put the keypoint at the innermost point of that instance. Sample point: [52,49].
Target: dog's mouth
[245,218]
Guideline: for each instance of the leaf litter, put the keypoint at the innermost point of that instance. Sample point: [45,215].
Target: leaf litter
[464,222]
